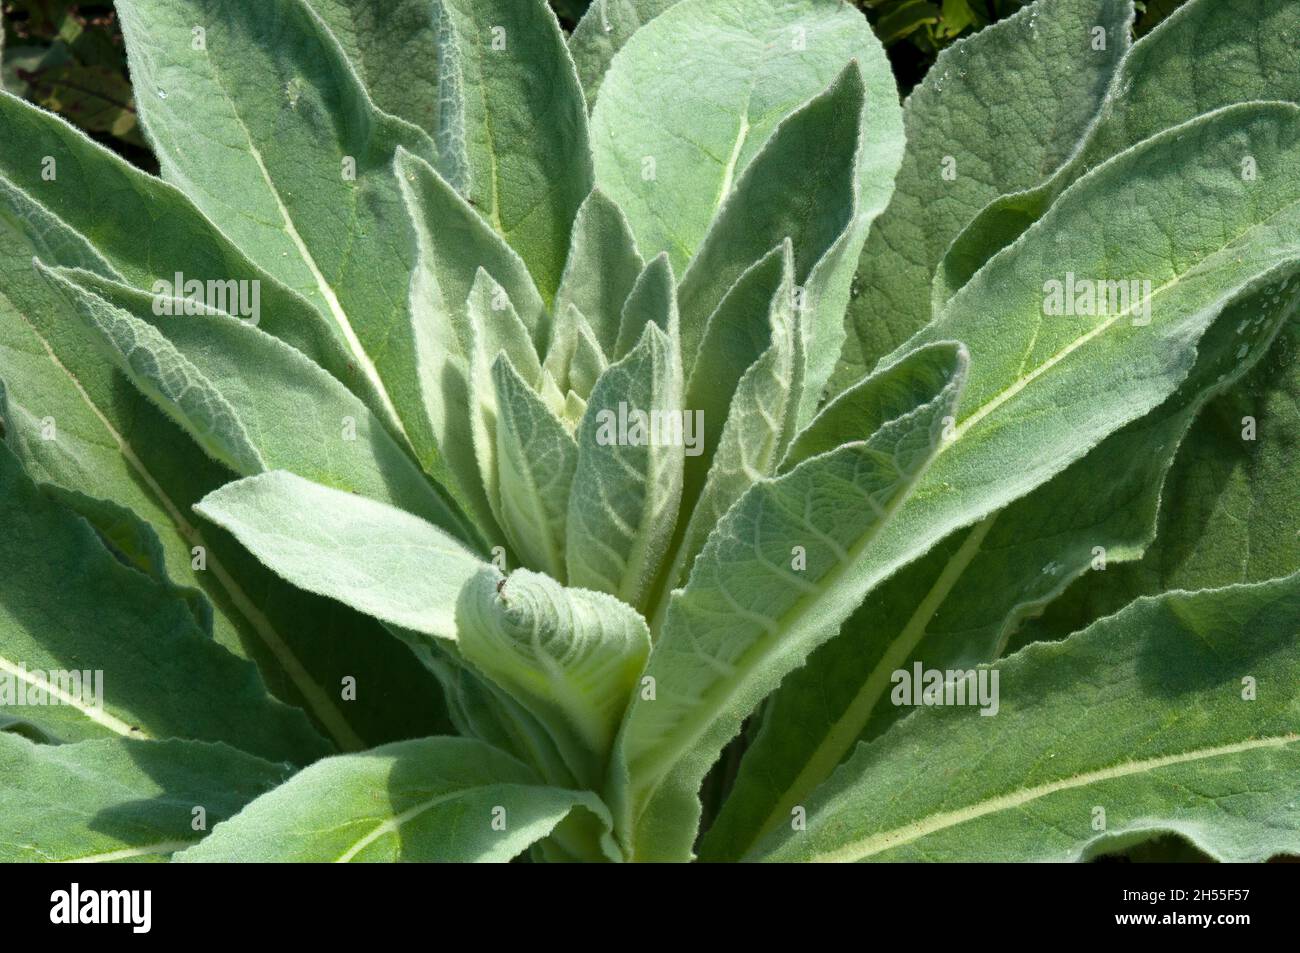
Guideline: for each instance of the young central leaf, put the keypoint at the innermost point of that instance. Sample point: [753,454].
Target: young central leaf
[569,655]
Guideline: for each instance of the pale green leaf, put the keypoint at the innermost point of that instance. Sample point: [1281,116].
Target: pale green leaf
[78,424]
[492,328]
[748,377]
[513,136]
[571,656]
[969,142]
[576,359]
[652,300]
[250,400]
[874,401]
[268,129]
[601,33]
[118,621]
[627,484]
[1041,392]
[82,217]
[123,801]
[379,560]
[1196,61]
[394,50]
[1143,714]
[670,145]
[602,267]
[536,457]
[1230,512]
[819,181]
[434,799]
[958,605]
[763,592]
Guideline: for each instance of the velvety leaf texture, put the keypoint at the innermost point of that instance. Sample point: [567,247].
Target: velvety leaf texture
[1142,714]
[477,443]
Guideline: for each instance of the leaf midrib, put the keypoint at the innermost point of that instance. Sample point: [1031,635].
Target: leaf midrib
[394,824]
[924,827]
[839,739]
[95,714]
[323,286]
[803,607]
[127,853]
[318,700]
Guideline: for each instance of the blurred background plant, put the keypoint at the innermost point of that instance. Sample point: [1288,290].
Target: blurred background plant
[68,57]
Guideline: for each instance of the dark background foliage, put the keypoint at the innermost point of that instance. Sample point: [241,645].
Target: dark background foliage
[68,56]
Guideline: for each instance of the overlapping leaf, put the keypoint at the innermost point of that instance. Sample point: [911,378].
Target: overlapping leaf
[375,558]
[969,142]
[1037,394]
[436,799]
[1176,715]
[161,677]
[115,800]
[1198,60]
[958,605]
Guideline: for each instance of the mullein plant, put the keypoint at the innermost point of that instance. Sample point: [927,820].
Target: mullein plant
[656,443]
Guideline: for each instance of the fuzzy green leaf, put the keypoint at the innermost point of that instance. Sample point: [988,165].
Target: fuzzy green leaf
[969,142]
[536,458]
[435,799]
[602,32]
[1198,60]
[377,559]
[100,801]
[627,485]
[1143,714]
[262,122]
[513,136]
[1041,392]
[139,633]
[570,656]
[602,267]
[739,69]
[959,605]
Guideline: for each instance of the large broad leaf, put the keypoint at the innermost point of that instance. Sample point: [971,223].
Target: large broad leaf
[1230,512]
[435,799]
[1040,393]
[77,423]
[101,801]
[603,30]
[968,142]
[1176,715]
[82,206]
[759,597]
[670,145]
[1198,60]
[394,49]
[135,632]
[241,393]
[377,559]
[571,656]
[958,605]
[260,120]
[628,480]
[512,131]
